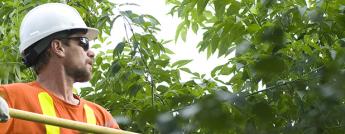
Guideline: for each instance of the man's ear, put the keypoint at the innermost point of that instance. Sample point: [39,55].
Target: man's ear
[57,48]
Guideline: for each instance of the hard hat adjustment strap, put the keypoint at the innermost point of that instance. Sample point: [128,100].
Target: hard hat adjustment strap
[32,53]
[31,57]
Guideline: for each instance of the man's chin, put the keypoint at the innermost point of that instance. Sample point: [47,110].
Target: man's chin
[84,78]
[80,75]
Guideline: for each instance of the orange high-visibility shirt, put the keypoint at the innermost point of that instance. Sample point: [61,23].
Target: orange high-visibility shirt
[28,97]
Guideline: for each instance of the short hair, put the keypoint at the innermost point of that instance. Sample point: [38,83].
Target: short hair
[43,58]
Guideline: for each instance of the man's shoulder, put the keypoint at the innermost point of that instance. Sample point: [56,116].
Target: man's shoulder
[11,85]
[17,86]
[17,93]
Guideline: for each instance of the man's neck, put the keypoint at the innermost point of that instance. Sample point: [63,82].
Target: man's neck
[59,84]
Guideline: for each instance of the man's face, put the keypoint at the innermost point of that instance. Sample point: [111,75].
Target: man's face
[78,60]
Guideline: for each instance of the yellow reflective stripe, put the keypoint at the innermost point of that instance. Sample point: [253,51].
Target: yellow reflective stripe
[90,115]
[47,107]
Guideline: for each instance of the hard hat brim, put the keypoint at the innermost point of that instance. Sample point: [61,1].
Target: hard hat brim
[92,33]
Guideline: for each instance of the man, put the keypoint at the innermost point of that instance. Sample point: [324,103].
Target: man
[55,43]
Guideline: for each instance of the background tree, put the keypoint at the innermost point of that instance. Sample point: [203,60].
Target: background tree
[294,47]
[135,81]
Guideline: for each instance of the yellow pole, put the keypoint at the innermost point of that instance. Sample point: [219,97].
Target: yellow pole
[83,127]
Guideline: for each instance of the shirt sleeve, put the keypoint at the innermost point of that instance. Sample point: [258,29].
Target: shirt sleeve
[5,126]
[110,121]
[3,93]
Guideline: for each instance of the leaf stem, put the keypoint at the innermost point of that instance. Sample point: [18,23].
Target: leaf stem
[147,69]
[255,19]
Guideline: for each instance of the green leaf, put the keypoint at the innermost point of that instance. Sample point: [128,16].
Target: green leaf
[152,19]
[209,51]
[220,7]
[139,71]
[134,89]
[163,62]
[162,88]
[223,48]
[195,27]
[216,69]
[234,8]
[96,46]
[184,34]
[105,66]
[138,20]
[99,60]
[115,67]
[263,111]
[253,28]
[307,49]
[226,70]
[186,70]
[201,5]
[179,29]
[181,63]
[168,51]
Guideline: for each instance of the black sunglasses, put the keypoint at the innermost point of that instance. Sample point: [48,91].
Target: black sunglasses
[83,41]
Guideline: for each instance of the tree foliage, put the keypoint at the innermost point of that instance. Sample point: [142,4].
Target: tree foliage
[135,81]
[295,48]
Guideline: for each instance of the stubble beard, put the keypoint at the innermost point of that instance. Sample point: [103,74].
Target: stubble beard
[79,74]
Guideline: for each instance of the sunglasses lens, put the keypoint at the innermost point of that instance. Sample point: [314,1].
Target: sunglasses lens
[84,43]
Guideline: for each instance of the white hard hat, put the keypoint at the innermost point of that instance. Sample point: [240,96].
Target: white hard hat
[50,18]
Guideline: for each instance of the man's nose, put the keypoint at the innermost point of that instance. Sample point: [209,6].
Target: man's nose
[90,53]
